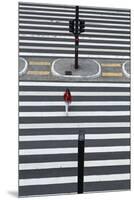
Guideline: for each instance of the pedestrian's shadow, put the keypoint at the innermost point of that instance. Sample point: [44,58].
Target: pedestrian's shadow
[13,193]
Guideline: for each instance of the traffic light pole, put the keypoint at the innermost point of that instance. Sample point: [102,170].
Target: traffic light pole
[76,26]
[76,36]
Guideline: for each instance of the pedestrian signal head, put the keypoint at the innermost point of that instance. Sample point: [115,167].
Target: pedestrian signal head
[82,26]
[71,26]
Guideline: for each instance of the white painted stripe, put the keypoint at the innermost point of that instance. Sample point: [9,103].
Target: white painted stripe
[87,32]
[73,137]
[77,103]
[65,21]
[73,125]
[108,177]
[67,43]
[50,151]
[48,93]
[73,84]
[73,13]
[48,165]
[72,179]
[87,28]
[71,164]
[71,37]
[47,181]
[44,7]
[47,151]
[107,136]
[71,55]
[87,10]
[71,49]
[107,149]
[71,17]
[48,137]
[74,114]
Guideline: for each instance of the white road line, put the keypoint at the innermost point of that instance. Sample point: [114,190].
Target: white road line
[65,21]
[66,26]
[73,84]
[73,137]
[71,17]
[68,43]
[71,49]
[48,93]
[72,179]
[71,164]
[70,36]
[47,181]
[108,177]
[74,114]
[44,7]
[71,55]
[50,151]
[73,125]
[87,10]
[77,103]
[73,13]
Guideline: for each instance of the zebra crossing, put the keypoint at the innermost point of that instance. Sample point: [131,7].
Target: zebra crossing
[48,139]
[43,32]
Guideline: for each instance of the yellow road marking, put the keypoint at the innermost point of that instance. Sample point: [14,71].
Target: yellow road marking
[40,63]
[38,72]
[111,64]
[112,74]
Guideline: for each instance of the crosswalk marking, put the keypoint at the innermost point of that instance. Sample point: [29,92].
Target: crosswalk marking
[69,164]
[48,93]
[74,84]
[42,143]
[73,137]
[73,125]
[87,28]
[76,113]
[112,74]
[38,25]
[66,22]
[71,55]
[73,14]
[68,43]
[78,103]
[73,179]
[73,8]
[80,49]
[70,17]
[72,150]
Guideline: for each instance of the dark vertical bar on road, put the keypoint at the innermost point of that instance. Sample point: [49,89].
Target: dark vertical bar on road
[81,143]
[76,36]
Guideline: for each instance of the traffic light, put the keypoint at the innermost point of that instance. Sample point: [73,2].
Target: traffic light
[71,26]
[82,26]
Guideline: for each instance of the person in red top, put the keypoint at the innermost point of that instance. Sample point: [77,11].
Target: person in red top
[67,99]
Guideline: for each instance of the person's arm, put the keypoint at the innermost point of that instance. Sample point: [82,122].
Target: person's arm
[65,96]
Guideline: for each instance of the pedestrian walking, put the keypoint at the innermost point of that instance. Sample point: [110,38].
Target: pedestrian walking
[67,99]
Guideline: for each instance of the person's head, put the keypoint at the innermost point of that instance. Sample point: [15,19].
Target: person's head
[67,90]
